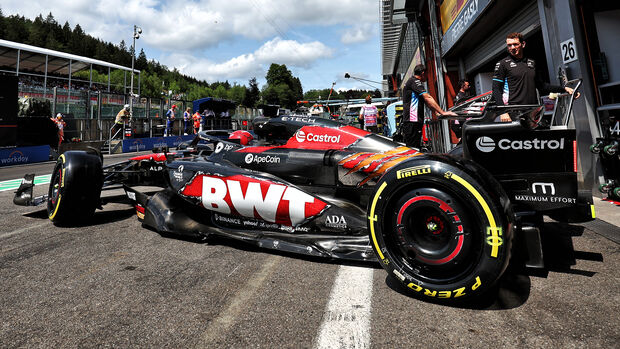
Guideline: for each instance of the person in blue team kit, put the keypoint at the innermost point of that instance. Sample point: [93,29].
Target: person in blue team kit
[187,121]
[515,80]
[414,99]
[170,120]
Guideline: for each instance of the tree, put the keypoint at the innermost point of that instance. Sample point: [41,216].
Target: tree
[76,44]
[252,94]
[66,34]
[282,87]
[38,32]
[141,61]
[220,92]
[2,25]
[122,55]
[237,94]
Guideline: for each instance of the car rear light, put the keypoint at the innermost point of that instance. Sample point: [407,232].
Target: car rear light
[575,156]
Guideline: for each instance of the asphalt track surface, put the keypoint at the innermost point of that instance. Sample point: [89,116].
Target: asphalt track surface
[112,283]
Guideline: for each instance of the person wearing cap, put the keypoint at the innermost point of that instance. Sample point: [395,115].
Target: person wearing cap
[368,116]
[60,124]
[121,118]
[170,120]
[414,99]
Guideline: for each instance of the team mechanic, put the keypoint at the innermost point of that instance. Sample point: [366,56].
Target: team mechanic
[516,76]
[414,99]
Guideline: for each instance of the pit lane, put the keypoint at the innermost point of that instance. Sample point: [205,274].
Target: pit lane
[114,283]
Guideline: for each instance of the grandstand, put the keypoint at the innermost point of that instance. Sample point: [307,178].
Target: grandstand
[44,69]
[89,106]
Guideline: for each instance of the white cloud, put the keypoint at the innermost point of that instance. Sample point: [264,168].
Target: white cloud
[289,52]
[181,33]
[292,53]
[189,25]
[358,33]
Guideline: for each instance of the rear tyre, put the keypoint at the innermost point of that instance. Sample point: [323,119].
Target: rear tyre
[75,187]
[436,229]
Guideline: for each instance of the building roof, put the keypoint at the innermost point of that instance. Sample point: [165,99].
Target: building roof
[32,58]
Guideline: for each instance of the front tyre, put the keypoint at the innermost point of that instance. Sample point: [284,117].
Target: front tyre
[75,187]
[436,228]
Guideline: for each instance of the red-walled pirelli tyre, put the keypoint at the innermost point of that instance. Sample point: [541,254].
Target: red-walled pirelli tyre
[442,229]
[75,187]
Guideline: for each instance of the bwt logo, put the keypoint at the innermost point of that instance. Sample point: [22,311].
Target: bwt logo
[485,144]
[300,136]
[15,157]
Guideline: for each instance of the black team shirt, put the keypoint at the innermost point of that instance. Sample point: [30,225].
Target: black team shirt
[413,101]
[522,80]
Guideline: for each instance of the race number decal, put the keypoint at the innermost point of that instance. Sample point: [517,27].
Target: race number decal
[616,129]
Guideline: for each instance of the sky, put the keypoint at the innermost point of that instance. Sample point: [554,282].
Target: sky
[235,40]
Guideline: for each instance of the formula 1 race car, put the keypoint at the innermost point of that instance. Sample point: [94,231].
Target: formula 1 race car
[441,224]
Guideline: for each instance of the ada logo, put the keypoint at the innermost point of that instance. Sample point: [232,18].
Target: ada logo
[335,221]
[485,144]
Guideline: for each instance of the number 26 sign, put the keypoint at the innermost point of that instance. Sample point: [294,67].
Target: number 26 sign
[569,51]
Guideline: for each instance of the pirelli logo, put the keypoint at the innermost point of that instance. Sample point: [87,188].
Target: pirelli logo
[413,171]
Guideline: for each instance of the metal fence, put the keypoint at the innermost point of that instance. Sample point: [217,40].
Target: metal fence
[90,114]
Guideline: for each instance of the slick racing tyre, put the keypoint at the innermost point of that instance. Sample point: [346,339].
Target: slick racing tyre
[75,187]
[436,228]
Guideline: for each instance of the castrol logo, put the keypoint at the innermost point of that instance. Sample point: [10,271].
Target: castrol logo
[300,136]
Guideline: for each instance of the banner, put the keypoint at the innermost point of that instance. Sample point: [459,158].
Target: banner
[24,155]
[141,144]
[464,19]
[448,11]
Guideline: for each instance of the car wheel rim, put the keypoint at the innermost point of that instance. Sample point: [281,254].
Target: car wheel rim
[433,235]
[56,187]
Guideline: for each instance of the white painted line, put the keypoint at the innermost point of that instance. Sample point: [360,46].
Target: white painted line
[14,183]
[21,230]
[346,321]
